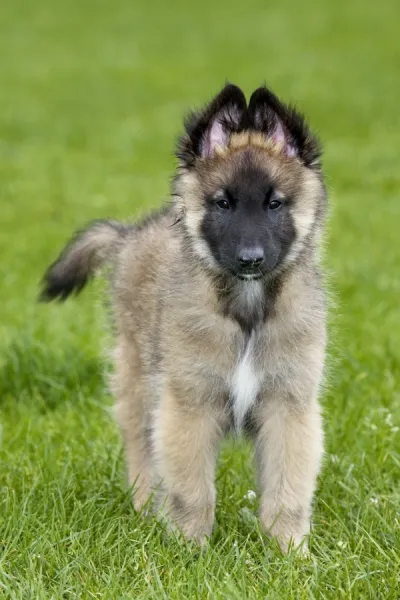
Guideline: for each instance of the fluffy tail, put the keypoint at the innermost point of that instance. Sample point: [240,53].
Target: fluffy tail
[82,256]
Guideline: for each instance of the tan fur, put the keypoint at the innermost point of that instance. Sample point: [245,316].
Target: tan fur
[176,354]
[247,139]
[186,402]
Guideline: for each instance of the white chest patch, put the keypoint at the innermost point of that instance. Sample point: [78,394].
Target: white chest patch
[245,384]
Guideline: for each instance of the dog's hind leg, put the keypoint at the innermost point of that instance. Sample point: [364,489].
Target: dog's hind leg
[131,413]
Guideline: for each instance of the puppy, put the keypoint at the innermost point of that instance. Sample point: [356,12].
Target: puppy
[219,315]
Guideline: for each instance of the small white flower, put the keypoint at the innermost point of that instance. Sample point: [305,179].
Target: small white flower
[250,495]
[342,544]
[374,500]
[388,419]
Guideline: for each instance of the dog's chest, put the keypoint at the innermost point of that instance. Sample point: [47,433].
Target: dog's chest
[245,382]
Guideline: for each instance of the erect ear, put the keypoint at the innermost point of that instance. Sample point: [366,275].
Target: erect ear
[211,127]
[284,125]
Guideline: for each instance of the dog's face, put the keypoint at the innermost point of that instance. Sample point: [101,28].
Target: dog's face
[249,187]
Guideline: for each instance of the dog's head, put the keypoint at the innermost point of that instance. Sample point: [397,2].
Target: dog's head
[249,188]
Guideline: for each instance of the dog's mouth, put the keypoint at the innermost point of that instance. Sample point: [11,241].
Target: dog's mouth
[254,274]
[250,276]
[250,273]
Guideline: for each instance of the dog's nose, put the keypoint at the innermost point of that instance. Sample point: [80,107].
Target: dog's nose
[251,257]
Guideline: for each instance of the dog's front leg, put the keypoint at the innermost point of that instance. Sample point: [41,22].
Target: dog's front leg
[289,447]
[185,442]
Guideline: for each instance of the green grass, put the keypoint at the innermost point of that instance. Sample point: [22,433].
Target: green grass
[91,98]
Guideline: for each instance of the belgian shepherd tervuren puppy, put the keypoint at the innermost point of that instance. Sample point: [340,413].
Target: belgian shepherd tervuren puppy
[219,314]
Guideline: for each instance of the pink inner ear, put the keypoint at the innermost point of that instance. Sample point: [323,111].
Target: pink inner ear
[216,136]
[279,137]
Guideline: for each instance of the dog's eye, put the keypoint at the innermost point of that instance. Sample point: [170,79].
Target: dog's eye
[274,204]
[274,199]
[223,203]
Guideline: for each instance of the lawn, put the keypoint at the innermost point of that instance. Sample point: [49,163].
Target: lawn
[91,99]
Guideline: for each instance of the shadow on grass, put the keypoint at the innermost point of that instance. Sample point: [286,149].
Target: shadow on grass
[31,371]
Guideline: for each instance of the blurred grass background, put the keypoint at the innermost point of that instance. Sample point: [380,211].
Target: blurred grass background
[91,99]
